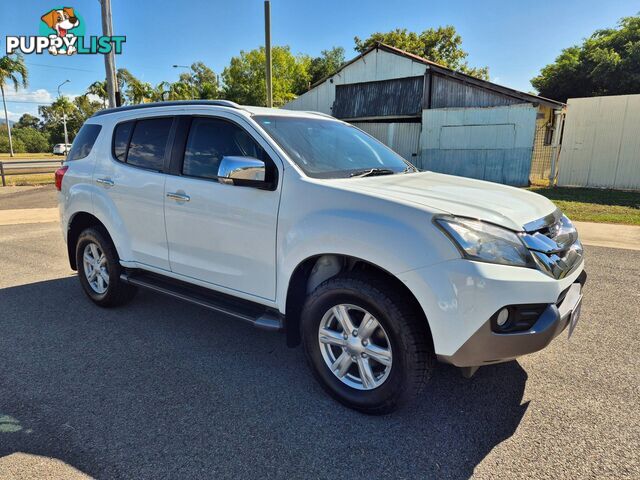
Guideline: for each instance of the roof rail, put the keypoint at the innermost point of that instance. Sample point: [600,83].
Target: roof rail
[176,103]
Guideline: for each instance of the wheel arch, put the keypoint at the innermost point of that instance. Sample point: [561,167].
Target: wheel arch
[314,270]
[78,223]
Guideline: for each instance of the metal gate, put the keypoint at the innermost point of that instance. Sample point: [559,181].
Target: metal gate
[401,137]
[493,144]
[541,158]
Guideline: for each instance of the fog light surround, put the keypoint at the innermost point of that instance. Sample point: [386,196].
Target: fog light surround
[516,318]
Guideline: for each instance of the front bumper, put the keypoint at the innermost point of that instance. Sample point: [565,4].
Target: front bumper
[459,297]
[486,346]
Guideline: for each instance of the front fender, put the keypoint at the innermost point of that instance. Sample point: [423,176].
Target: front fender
[393,243]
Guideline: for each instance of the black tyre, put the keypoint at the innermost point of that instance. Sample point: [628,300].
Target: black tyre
[386,358]
[99,269]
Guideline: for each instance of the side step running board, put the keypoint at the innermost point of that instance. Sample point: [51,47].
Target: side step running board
[253,313]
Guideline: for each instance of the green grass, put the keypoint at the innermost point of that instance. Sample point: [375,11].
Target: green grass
[595,205]
[6,157]
[34,179]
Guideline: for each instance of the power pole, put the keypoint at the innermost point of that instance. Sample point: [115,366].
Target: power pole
[267,48]
[110,58]
[64,119]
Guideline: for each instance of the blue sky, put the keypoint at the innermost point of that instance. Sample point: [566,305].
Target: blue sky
[514,38]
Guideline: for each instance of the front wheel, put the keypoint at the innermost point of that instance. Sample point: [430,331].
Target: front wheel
[99,269]
[368,348]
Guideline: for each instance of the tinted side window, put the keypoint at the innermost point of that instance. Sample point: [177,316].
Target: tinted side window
[121,136]
[211,139]
[149,142]
[84,141]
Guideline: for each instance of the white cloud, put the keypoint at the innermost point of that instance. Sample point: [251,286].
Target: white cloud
[13,116]
[94,98]
[40,95]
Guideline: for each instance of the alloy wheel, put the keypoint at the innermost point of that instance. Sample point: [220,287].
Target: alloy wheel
[95,268]
[355,347]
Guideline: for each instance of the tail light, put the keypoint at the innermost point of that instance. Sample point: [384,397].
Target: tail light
[59,174]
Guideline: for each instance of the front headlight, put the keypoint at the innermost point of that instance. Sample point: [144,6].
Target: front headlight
[484,242]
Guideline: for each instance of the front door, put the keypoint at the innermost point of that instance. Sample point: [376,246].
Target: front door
[219,233]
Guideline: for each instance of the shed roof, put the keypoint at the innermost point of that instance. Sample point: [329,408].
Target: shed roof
[441,69]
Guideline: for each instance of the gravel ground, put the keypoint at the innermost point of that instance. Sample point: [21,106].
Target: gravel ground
[161,389]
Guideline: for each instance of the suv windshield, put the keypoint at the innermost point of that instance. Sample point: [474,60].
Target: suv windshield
[324,148]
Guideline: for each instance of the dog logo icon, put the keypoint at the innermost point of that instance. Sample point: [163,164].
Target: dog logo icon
[62,21]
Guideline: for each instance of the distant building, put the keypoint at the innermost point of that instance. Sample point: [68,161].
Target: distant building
[437,118]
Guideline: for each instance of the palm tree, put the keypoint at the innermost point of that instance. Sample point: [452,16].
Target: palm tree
[99,89]
[12,69]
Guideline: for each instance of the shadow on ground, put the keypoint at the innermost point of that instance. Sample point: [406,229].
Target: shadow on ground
[162,389]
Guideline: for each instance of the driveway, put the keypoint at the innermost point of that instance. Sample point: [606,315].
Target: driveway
[162,389]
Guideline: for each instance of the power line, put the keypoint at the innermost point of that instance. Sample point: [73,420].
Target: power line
[29,101]
[60,67]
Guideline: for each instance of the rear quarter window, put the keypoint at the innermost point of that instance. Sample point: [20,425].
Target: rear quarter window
[121,136]
[84,141]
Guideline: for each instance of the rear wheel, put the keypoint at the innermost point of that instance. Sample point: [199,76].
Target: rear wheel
[365,345]
[99,269]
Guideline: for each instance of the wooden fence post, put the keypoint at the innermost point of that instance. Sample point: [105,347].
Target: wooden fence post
[4,183]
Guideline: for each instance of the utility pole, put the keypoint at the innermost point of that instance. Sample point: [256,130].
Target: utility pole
[110,58]
[64,120]
[267,48]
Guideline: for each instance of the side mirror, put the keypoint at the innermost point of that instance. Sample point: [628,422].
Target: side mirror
[246,171]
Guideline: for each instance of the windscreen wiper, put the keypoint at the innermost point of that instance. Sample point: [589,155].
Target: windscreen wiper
[370,172]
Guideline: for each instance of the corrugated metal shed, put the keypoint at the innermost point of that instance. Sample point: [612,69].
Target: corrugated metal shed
[383,62]
[386,98]
[601,143]
[492,144]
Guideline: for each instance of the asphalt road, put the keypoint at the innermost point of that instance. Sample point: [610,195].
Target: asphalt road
[161,389]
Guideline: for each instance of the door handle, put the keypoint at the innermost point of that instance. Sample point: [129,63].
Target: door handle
[179,197]
[107,182]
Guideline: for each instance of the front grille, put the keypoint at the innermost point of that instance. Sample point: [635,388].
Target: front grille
[554,245]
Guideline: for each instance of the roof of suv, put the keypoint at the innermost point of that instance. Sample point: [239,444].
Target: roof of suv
[211,103]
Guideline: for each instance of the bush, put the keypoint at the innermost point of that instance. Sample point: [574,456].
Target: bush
[34,141]
[18,145]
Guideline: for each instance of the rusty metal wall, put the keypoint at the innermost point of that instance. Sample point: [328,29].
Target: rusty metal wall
[387,98]
[447,92]
[601,143]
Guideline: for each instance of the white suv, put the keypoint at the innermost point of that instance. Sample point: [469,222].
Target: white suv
[298,222]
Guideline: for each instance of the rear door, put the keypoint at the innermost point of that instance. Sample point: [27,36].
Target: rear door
[134,183]
[219,233]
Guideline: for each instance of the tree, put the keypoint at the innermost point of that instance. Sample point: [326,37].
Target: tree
[99,89]
[27,121]
[12,69]
[244,78]
[77,112]
[199,83]
[135,91]
[607,63]
[442,45]
[327,63]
